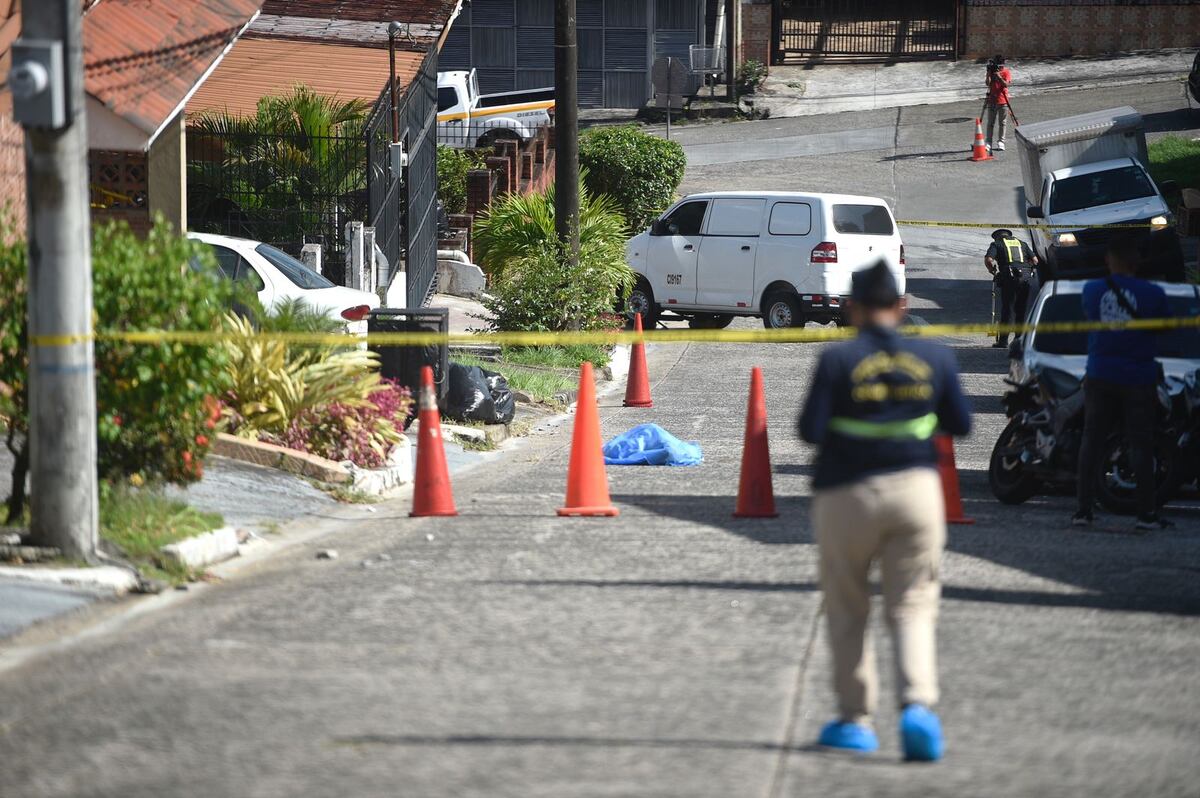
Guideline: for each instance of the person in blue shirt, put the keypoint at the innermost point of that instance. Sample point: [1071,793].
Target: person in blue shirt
[1122,378]
[872,410]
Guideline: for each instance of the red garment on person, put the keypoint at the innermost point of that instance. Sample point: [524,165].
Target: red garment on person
[997,94]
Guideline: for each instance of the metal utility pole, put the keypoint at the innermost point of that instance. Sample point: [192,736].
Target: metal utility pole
[393,89]
[566,131]
[47,84]
[730,66]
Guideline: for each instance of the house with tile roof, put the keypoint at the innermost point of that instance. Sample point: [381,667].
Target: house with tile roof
[143,62]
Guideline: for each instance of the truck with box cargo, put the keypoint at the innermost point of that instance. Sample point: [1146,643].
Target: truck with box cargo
[1085,176]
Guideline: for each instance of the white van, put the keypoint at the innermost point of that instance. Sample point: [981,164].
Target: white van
[784,256]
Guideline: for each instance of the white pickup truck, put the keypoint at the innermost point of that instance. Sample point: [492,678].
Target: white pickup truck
[467,119]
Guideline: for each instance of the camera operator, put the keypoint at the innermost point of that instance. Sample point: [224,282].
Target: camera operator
[999,77]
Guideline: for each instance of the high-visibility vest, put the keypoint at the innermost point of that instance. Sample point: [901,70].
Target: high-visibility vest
[907,429]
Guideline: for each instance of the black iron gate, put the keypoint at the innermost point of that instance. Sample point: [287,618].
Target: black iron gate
[868,30]
[403,204]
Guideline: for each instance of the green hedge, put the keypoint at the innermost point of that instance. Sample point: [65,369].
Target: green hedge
[640,172]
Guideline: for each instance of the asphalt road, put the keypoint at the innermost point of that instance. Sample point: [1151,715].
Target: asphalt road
[673,651]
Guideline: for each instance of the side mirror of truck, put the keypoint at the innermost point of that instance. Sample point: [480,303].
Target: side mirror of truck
[1035,212]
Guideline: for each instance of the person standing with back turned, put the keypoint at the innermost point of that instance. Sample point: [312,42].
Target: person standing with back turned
[1122,378]
[872,411]
[1013,267]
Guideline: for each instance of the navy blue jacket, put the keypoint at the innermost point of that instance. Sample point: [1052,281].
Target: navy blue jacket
[880,378]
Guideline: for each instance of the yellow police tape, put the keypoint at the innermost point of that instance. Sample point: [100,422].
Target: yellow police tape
[795,335]
[1020,226]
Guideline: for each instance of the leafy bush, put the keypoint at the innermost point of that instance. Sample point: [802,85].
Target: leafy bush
[14,359]
[639,171]
[531,287]
[317,400]
[452,167]
[750,76]
[362,433]
[154,400]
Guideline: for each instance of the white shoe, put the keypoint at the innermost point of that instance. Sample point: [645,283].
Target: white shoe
[1000,145]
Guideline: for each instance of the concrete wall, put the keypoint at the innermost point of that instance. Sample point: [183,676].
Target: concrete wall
[755,29]
[12,171]
[1080,28]
[168,173]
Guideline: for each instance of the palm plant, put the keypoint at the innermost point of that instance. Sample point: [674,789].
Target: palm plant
[301,157]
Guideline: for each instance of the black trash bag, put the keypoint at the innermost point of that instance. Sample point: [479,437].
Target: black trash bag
[479,395]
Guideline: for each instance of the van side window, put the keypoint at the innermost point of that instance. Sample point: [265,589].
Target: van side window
[871,220]
[736,217]
[688,218]
[790,219]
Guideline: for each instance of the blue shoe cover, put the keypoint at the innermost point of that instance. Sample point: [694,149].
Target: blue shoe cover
[921,733]
[848,736]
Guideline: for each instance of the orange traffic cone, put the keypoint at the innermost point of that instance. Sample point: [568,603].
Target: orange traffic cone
[949,474]
[587,482]
[431,487]
[979,150]
[756,496]
[637,389]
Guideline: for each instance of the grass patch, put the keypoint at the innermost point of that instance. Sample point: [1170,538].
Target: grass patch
[140,522]
[1176,158]
[558,357]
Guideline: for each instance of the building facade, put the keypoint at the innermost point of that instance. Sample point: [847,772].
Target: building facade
[511,44]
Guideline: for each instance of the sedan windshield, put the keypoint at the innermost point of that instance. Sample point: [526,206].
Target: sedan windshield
[1100,188]
[1181,343]
[294,270]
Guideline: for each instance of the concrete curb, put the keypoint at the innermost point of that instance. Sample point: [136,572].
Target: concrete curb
[272,456]
[103,578]
[197,552]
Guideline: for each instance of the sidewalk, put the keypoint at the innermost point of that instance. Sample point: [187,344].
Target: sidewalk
[821,89]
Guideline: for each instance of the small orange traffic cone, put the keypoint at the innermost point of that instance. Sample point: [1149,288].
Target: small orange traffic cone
[637,389]
[756,495]
[979,150]
[949,474]
[587,482]
[431,486]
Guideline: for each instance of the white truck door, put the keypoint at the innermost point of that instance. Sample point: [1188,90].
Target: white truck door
[725,273]
[672,253]
[452,119]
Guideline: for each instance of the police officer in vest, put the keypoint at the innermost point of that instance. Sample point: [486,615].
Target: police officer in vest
[872,410]
[1013,267]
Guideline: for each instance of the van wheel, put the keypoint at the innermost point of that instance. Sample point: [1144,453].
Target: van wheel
[710,321]
[641,300]
[781,310]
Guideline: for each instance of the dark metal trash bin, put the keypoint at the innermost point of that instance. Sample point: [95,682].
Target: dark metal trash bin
[403,363]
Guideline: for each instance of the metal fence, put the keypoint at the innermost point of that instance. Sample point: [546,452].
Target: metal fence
[403,206]
[281,188]
[866,29]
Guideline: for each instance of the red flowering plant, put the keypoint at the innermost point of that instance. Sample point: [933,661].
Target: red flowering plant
[363,434]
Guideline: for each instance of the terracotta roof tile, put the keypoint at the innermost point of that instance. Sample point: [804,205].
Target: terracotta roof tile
[426,12]
[143,57]
[257,68]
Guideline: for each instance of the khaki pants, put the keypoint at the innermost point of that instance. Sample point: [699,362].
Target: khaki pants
[996,113]
[898,519]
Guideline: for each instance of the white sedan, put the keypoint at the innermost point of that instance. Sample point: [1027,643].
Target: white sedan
[277,277]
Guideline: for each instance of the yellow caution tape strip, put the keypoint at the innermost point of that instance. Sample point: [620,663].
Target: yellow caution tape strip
[796,335]
[1020,226]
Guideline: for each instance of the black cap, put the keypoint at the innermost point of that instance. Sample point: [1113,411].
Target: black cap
[1002,233]
[998,59]
[875,286]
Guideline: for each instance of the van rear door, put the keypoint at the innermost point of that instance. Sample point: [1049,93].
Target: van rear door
[725,273]
[863,233]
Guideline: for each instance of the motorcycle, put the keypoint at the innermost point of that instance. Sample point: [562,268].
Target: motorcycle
[1039,448]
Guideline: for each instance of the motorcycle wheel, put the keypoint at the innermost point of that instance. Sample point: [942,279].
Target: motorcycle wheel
[1116,484]
[1010,481]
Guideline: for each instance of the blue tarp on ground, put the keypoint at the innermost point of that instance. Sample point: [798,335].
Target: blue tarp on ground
[650,444]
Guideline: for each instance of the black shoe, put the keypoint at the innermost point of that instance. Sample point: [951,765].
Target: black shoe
[1082,519]
[1151,523]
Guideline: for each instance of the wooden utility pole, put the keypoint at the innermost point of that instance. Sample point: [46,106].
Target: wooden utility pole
[62,391]
[566,131]
[731,7]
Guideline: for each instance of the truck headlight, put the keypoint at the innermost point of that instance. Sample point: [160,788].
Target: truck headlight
[1066,240]
[1160,222]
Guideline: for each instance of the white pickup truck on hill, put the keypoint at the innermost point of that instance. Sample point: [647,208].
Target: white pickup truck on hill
[467,119]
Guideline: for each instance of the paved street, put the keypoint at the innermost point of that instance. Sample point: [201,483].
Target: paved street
[673,651]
